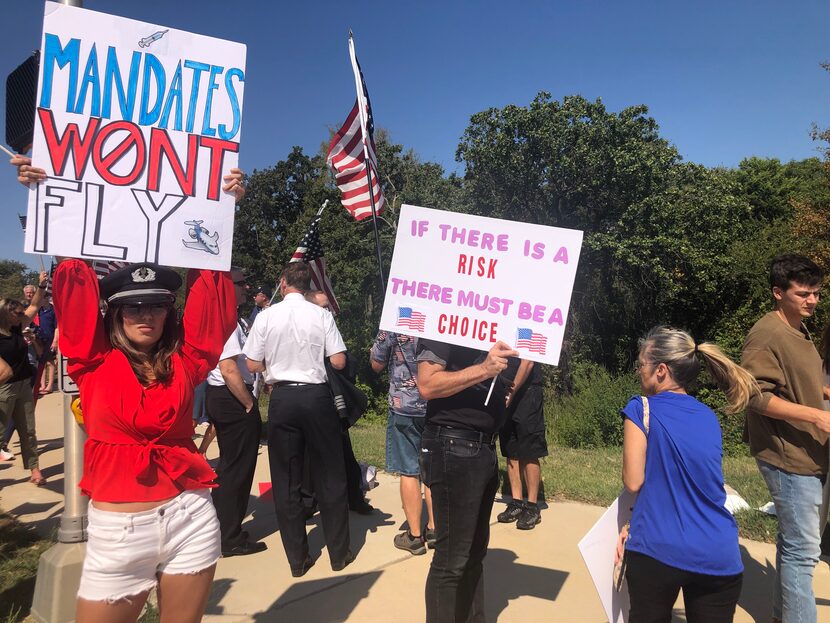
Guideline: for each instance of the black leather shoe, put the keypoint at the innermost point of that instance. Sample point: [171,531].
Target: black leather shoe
[339,566]
[243,549]
[308,564]
[362,508]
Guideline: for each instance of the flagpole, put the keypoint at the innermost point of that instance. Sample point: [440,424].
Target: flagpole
[361,106]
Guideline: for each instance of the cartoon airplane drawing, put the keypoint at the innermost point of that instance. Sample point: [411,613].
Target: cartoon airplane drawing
[146,41]
[202,240]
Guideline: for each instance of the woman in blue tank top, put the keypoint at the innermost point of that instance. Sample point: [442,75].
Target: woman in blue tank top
[681,536]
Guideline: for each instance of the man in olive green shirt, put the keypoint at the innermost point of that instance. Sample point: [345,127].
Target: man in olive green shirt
[787,429]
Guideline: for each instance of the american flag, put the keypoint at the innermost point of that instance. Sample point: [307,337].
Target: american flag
[351,148]
[411,319]
[311,252]
[103,268]
[534,342]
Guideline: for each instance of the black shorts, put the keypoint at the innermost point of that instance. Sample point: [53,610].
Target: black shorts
[523,434]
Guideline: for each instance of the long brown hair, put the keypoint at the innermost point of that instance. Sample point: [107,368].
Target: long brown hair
[7,320]
[678,351]
[155,366]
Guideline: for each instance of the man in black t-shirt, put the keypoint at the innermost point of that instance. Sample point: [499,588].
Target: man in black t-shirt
[459,464]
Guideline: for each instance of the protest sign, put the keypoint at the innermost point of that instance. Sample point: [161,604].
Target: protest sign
[136,124]
[598,548]
[471,280]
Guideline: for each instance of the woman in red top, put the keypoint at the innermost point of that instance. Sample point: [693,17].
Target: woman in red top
[151,521]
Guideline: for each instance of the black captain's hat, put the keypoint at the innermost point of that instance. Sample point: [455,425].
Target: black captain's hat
[140,284]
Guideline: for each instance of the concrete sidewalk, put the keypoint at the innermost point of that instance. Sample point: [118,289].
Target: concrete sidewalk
[530,576]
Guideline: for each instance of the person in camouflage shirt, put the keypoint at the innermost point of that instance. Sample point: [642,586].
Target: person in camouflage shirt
[407,411]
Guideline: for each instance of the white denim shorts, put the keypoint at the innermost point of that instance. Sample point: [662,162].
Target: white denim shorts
[126,551]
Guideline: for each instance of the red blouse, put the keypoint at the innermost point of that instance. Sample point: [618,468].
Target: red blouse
[139,446]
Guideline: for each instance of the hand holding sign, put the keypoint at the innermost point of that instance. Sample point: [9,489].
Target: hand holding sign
[234,184]
[496,360]
[26,173]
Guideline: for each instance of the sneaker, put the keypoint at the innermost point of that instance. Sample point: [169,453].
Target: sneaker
[5,455]
[429,538]
[529,518]
[413,545]
[511,514]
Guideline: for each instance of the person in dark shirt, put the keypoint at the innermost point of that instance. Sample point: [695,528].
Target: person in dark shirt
[459,464]
[16,402]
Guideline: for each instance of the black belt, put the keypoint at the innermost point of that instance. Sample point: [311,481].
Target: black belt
[460,433]
[290,384]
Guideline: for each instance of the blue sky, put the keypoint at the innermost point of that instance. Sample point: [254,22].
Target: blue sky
[724,80]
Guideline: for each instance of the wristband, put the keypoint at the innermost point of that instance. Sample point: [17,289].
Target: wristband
[41,287]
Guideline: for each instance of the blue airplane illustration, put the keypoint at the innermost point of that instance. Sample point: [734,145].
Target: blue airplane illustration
[146,41]
[202,240]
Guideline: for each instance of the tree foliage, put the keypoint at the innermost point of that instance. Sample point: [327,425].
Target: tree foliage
[13,276]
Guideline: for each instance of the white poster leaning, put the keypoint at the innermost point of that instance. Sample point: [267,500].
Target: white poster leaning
[598,548]
[471,280]
[136,124]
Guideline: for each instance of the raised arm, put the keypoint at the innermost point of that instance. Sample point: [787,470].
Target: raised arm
[208,321]
[83,339]
[37,299]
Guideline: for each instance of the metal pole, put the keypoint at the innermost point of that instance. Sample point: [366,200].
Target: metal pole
[375,225]
[73,520]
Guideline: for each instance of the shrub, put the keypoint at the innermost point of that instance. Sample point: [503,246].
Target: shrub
[589,416]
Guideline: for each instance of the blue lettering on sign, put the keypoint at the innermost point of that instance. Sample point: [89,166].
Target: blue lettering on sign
[105,77]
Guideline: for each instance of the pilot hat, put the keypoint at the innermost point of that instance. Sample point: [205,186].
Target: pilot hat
[263,290]
[140,284]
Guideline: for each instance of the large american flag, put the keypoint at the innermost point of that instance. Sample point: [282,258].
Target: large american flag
[352,149]
[103,268]
[311,252]
[534,342]
[411,319]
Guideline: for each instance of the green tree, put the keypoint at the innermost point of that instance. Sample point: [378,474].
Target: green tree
[13,276]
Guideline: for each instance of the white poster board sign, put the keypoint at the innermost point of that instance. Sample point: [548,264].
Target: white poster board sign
[136,124]
[471,281]
[67,385]
[598,548]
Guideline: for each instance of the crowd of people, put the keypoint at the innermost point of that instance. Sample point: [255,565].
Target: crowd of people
[160,517]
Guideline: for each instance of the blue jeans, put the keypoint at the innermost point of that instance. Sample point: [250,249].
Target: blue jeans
[403,444]
[797,503]
[463,477]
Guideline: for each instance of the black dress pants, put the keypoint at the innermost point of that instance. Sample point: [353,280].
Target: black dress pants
[653,589]
[237,434]
[463,478]
[303,419]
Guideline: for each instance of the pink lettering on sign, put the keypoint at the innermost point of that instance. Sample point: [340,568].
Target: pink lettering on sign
[484,302]
[473,238]
[419,228]
[539,313]
[421,290]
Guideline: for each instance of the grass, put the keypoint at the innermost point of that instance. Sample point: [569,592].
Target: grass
[20,550]
[593,476]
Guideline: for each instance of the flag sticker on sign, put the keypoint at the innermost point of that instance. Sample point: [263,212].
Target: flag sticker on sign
[411,319]
[534,342]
